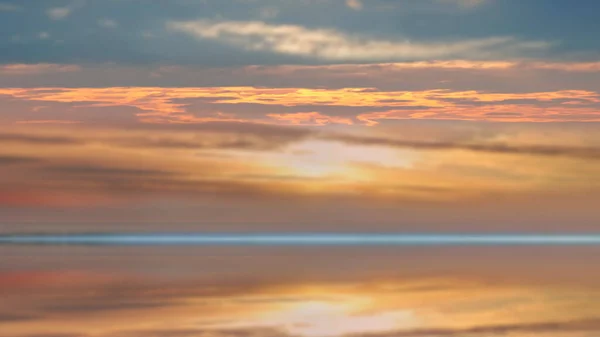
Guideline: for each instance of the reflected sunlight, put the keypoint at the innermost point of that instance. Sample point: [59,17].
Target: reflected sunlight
[324,319]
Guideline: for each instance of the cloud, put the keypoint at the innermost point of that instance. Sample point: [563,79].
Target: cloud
[472,3]
[37,69]
[567,66]
[552,328]
[234,143]
[128,184]
[56,335]
[278,133]
[100,305]
[47,121]
[310,118]
[38,139]
[58,13]
[62,176]
[332,45]
[210,135]
[4,7]
[536,150]
[491,76]
[150,161]
[468,4]
[268,13]
[354,4]
[173,105]
[12,317]
[108,23]
[15,160]
[100,171]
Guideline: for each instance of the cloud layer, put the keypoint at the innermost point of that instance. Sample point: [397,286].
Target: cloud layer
[329,44]
[286,116]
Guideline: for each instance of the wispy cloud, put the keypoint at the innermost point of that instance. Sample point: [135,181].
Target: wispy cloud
[333,45]
[4,7]
[58,13]
[499,148]
[466,3]
[35,69]
[354,4]
[108,23]
[16,160]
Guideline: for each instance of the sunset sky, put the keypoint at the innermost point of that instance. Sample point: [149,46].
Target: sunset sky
[285,116]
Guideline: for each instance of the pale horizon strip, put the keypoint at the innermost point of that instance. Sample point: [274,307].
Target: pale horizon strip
[301,239]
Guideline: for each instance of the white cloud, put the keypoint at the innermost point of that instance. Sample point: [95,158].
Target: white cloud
[58,13]
[108,23]
[330,44]
[9,7]
[354,4]
[268,13]
[466,3]
[44,35]
[471,3]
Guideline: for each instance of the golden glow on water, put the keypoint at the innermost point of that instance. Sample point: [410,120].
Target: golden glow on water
[314,319]
[322,318]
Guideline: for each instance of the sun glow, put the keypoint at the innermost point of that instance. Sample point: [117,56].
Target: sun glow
[317,159]
[323,319]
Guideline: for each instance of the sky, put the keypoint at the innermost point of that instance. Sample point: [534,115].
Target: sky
[305,116]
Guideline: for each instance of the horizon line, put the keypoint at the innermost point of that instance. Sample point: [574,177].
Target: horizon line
[301,239]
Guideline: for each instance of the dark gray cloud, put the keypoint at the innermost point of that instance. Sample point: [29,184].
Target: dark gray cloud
[523,77]
[264,137]
[263,130]
[537,150]
[14,317]
[38,139]
[121,181]
[99,170]
[249,332]
[99,305]
[229,143]
[208,135]
[15,160]
[55,335]
[542,329]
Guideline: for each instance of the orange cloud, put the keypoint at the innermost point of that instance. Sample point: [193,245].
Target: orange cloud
[500,113]
[37,198]
[12,281]
[567,66]
[47,121]
[167,105]
[310,118]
